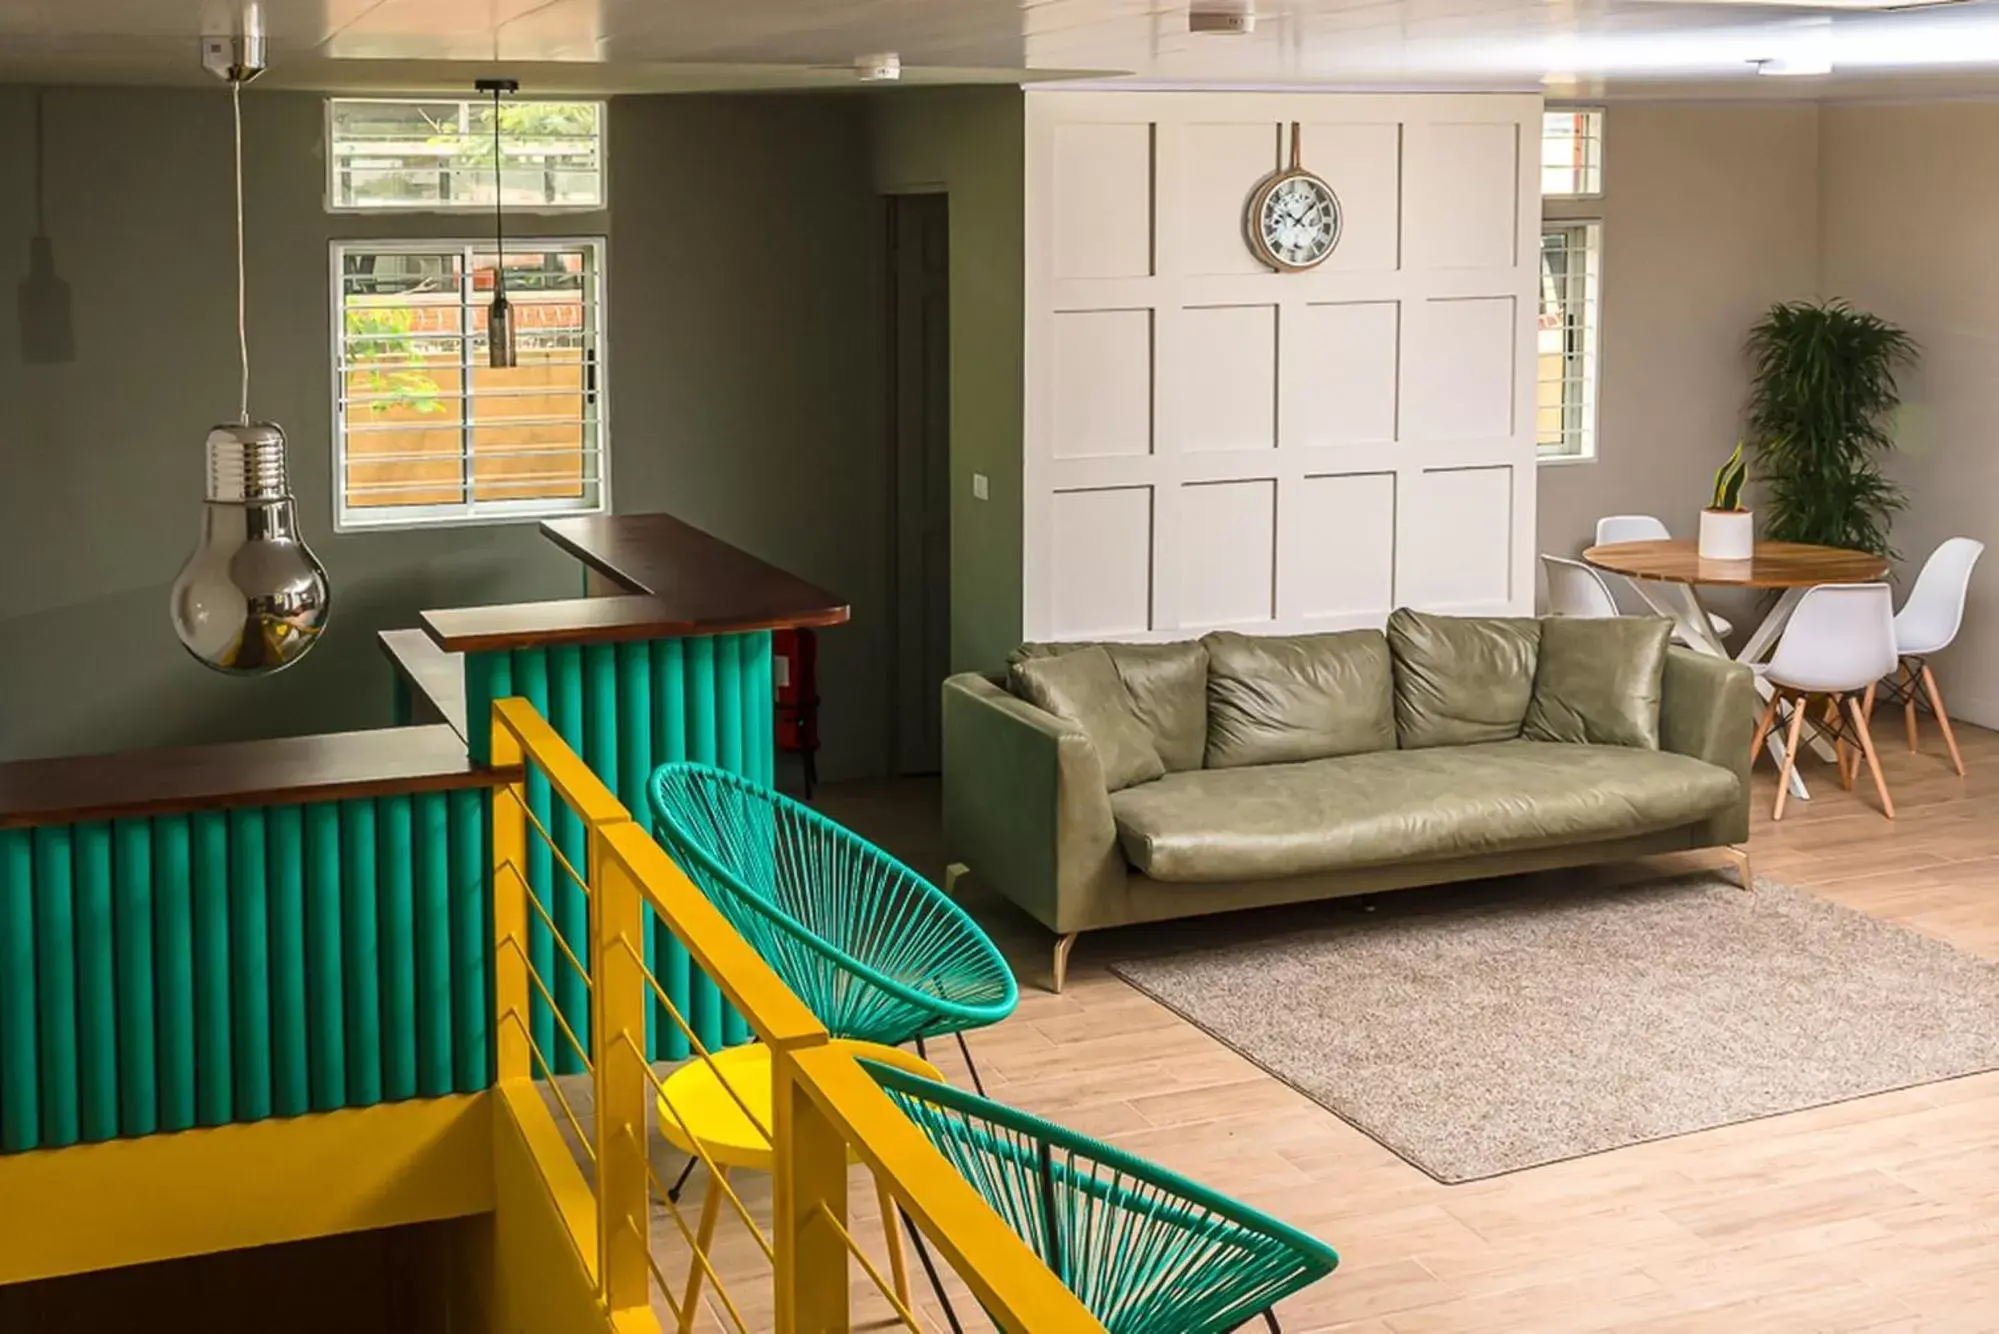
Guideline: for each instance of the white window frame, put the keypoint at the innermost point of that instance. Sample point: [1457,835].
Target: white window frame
[468,513]
[1579,419]
[1567,211]
[460,210]
[1602,146]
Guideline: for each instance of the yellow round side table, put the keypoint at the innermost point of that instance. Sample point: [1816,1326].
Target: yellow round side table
[704,1102]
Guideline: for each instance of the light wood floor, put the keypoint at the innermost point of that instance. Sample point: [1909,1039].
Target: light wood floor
[1873,1215]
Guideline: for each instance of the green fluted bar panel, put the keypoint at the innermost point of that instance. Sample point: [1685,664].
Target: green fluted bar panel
[601,742]
[250,962]
[20,1059]
[565,685]
[132,907]
[402,704]
[291,1082]
[669,720]
[481,689]
[433,1000]
[635,765]
[361,972]
[173,968]
[96,984]
[325,982]
[215,1100]
[55,984]
[471,942]
[530,675]
[704,699]
[395,883]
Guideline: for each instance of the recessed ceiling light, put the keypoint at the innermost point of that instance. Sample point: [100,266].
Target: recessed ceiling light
[1229,20]
[878,67]
[1793,66]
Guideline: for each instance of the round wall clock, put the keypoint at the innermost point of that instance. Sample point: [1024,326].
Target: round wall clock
[1293,219]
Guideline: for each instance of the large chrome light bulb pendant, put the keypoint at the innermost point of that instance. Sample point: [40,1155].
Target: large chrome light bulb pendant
[252,599]
[500,350]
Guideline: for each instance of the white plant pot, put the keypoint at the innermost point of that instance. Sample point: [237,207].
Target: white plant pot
[1728,535]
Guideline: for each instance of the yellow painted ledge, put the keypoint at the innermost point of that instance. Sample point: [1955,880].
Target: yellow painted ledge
[161,1197]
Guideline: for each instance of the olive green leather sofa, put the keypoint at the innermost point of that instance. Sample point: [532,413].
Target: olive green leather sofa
[1285,769]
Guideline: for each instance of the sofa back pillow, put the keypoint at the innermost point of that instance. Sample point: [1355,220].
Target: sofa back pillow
[1280,699]
[1598,681]
[1083,688]
[1461,680]
[1168,684]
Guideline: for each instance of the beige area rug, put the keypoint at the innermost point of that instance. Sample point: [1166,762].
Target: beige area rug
[1479,1031]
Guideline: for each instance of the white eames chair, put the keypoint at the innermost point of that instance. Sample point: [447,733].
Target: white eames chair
[1839,644]
[1927,624]
[1576,589]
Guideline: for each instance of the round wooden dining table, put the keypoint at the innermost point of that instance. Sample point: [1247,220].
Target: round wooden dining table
[1666,573]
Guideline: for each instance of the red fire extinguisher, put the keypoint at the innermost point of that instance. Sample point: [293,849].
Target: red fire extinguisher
[795,664]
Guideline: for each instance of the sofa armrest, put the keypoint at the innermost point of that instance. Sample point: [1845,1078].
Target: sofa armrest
[1707,709]
[1025,806]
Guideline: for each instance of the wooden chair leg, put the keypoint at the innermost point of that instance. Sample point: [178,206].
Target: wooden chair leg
[1763,729]
[704,1240]
[898,1266]
[1908,676]
[1873,760]
[1791,743]
[1840,755]
[1943,719]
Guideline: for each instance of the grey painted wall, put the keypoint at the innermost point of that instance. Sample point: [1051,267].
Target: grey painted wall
[741,370]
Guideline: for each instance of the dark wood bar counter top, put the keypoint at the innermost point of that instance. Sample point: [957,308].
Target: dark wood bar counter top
[682,582]
[245,773]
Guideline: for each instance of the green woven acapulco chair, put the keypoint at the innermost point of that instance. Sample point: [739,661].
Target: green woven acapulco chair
[1146,1250]
[876,951]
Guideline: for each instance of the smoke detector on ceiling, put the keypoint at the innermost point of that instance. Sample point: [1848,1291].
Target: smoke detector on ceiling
[879,67]
[1229,20]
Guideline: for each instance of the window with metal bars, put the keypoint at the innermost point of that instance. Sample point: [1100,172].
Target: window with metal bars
[1572,153]
[1566,341]
[425,432]
[436,154]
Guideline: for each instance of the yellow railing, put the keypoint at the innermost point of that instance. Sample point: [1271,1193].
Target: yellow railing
[595,1170]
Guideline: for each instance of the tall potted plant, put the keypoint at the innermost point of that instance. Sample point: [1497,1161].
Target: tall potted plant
[1820,406]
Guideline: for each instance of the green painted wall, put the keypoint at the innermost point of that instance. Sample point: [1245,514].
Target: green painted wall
[971,143]
[742,374]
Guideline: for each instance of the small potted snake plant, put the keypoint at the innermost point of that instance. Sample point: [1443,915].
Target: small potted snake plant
[1727,528]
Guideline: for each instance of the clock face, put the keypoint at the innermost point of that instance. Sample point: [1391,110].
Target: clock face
[1296,221]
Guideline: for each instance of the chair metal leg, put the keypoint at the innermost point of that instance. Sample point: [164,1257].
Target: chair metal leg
[1792,739]
[1270,1319]
[1873,760]
[1943,719]
[679,1182]
[1907,683]
[930,1270]
[1763,729]
[1840,755]
[977,1084]
[1063,944]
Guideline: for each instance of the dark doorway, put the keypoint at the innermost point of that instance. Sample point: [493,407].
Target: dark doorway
[918,394]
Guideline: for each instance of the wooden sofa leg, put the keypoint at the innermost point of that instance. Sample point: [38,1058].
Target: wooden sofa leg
[1063,944]
[953,873]
[1743,875]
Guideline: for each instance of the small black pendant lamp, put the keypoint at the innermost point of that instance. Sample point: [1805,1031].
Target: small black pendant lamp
[500,349]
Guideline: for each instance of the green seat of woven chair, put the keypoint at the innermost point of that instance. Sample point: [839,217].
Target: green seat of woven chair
[876,951]
[1145,1250]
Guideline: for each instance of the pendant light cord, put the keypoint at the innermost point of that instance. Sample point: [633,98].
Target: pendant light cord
[242,326]
[499,207]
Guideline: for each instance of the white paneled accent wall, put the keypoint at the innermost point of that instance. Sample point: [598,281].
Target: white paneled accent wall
[1208,443]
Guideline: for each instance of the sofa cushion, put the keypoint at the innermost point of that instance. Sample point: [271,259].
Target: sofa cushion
[1598,681]
[1084,688]
[1168,684]
[1460,680]
[1408,806]
[1276,699]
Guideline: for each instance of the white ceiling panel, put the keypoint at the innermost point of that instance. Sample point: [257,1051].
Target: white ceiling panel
[1580,47]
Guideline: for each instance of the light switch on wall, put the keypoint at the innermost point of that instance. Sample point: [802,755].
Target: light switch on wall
[981,488]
